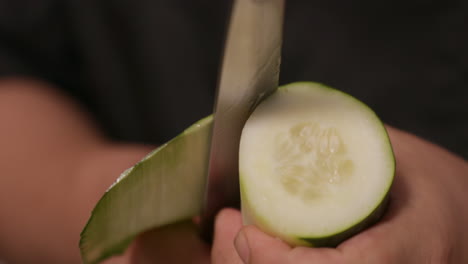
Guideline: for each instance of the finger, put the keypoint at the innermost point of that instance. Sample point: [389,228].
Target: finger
[227,225]
[256,247]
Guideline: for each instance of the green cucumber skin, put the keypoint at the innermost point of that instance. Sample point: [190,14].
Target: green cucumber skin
[123,213]
[336,239]
[332,240]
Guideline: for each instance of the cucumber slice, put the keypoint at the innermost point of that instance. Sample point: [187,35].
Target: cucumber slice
[315,166]
[167,186]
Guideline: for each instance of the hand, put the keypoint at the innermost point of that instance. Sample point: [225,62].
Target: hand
[425,222]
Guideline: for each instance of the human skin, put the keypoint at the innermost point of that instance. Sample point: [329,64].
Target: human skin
[425,222]
[55,164]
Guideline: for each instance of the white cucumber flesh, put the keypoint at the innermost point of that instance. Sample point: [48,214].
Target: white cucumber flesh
[315,165]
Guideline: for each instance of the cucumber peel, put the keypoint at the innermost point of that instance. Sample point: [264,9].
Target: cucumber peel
[315,166]
[167,186]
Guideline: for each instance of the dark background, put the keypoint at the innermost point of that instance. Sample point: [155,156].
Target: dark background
[146,69]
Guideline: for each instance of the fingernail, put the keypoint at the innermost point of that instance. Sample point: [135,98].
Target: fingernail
[242,247]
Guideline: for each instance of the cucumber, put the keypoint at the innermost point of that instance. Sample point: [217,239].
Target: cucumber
[315,168]
[165,187]
[315,165]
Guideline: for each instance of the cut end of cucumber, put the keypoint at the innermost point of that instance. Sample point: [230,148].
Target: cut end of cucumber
[316,165]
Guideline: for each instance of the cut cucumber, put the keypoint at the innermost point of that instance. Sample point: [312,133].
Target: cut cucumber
[165,187]
[315,166]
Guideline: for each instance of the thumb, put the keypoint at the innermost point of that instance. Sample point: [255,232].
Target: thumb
[228,224]
[256,247]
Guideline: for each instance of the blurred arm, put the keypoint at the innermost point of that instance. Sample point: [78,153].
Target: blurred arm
[54,166]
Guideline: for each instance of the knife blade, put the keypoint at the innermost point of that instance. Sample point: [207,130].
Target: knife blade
[249,73]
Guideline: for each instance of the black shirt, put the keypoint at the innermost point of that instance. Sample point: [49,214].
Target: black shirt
[147,69]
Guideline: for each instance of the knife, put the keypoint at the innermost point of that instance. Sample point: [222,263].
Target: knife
[249,73]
